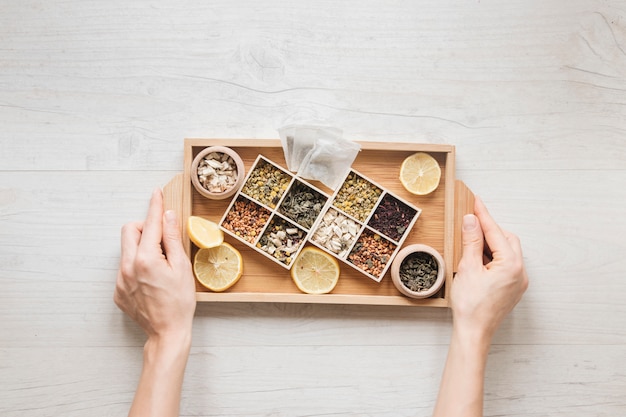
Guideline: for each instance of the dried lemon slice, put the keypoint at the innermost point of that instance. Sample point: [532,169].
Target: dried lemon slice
[420,173]
[315,271]
[204,233]
[218,268]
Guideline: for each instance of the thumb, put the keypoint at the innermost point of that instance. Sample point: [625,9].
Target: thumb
[473,241]
[172,241]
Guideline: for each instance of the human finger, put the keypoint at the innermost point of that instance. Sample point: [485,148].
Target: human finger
[172,241]
[495,238]
[472,239]
[514,242]
[487,255]
[130,238]
[119,288]
[152,228]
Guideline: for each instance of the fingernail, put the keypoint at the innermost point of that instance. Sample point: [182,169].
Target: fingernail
[170,216]
[469,222]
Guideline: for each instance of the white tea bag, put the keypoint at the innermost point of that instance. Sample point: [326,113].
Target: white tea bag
[299,140]
[287,135]
[329,161]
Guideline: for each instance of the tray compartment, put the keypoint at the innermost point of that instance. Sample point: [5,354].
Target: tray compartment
[357,196]
[282,240]
[336,232]
[266,182]
[245,219]
[372,253]
[303,203]
[393,218]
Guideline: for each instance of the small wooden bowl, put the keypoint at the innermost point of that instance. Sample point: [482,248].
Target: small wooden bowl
[402,255]
[220,150]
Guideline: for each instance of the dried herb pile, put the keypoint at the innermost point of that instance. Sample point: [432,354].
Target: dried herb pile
[392,217]
[418,271]
[302,204]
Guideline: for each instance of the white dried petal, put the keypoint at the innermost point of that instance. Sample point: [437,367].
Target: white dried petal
[291,230]
[334,246]
[319,237]
[214,164]
[206,171]
[329,216]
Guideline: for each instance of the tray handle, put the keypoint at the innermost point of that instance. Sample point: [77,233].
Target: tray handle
[173,197]
[464,204]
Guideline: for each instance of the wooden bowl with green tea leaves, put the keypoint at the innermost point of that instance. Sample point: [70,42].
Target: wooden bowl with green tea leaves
[417,271]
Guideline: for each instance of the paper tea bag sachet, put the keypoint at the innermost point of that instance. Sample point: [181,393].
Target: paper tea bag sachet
[287,136]
[329,161]
[298,141]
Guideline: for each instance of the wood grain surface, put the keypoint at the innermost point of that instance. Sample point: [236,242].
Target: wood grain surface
[97,97]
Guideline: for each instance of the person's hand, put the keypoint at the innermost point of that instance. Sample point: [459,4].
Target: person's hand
[155,285]
[486,290]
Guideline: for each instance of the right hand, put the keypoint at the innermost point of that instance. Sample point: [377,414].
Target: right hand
[483,293]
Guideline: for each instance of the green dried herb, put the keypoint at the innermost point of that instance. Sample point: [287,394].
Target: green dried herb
[418,271]
[302,204]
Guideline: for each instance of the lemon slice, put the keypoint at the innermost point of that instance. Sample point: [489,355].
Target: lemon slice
[204,233]
[218,268]
[315,271]
[420,173]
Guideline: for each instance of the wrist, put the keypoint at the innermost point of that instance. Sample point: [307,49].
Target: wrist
[164,361]
[462,386]
[473,339]
[171,346]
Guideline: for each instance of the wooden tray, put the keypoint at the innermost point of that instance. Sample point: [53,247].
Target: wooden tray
[264,281]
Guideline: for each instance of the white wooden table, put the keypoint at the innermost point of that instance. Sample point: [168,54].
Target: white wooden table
[96,98]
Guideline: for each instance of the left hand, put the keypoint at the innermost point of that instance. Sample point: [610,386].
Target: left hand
[155,285]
